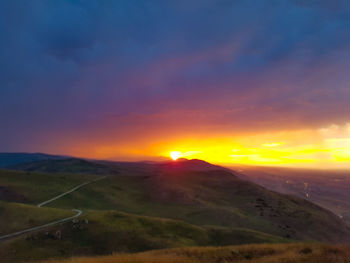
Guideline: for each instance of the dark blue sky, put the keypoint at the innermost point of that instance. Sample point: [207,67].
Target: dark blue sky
[133,70]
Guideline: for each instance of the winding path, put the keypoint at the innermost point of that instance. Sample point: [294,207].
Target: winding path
[78,212]
[70,191]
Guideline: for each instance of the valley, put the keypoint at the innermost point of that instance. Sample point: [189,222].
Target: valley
[327,188]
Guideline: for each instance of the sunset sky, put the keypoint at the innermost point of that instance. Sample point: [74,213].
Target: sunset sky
[254,82]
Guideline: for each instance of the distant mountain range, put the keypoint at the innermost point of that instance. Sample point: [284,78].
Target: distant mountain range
[9,159]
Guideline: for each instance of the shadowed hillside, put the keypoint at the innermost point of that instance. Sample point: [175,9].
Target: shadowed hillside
[67,165]
[105,232]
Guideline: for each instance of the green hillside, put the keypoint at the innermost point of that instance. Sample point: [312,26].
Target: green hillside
[15,217]
[207,197]
[35,187]
[106,232]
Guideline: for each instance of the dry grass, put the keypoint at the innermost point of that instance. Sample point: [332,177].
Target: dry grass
[281,253]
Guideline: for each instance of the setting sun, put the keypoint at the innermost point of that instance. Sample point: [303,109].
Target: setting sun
[175,155]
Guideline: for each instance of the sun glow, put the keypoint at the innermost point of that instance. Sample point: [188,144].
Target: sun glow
[274,144]
[327,147]
[175,155]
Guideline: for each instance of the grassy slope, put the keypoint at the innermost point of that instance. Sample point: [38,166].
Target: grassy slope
[291,253]
[109,231]
[15,217]
[67,165]
[34,187]
[209,199]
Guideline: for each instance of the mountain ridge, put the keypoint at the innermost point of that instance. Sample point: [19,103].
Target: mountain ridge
[13,158]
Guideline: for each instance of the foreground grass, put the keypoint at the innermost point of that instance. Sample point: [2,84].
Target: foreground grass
[291,253]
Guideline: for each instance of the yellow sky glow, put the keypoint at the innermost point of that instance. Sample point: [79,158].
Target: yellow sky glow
[324,148]
[328,147]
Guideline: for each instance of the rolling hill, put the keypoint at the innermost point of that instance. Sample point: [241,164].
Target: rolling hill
[66,165]
[33,188]
[196,192]
[107,232]
[15,217]
[139,206]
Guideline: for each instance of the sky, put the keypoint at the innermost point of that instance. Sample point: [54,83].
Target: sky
[255,82]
